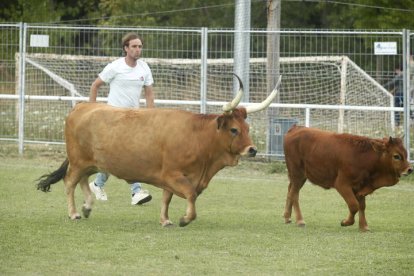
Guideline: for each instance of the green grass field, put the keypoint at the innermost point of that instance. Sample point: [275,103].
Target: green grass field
[239,228]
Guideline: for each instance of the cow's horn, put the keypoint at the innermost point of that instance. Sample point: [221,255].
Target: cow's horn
[232,105]
[267,102]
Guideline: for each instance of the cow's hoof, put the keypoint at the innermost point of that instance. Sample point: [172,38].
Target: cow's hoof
[301,224]
[364,229]
[288,220]
[346,223]
[86,212]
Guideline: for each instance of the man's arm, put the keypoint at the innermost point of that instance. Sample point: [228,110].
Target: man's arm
[390,84]
[149,96]
[94,89]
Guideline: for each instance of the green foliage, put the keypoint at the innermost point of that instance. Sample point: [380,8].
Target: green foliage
[239,229]
[359,14]
[400,15]
[188,13]
[47,11]
[31,11]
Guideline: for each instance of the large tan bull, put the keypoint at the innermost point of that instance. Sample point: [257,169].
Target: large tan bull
[177,151]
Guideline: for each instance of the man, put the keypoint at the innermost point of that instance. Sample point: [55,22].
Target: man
[126,77]
[396,84]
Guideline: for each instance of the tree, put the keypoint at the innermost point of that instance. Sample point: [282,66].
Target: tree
[358,14]
[175,13]
[398,15]
[29,11]
[47,11]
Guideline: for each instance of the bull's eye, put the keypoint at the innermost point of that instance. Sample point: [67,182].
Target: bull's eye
[397,157]
[234,131]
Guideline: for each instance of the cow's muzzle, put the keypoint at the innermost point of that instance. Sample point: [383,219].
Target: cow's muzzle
[252,152]
[407,171]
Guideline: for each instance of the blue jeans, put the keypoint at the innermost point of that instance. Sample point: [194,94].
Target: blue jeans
[101,178]
[398,102]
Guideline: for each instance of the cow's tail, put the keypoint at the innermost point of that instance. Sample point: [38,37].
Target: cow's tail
[48,179]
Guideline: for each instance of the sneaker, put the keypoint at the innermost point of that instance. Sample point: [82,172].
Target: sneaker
[98,191]
[140,198]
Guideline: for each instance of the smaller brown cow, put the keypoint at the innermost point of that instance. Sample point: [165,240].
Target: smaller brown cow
[354,165]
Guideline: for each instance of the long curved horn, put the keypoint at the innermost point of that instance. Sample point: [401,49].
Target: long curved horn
[267,102]
[232,105]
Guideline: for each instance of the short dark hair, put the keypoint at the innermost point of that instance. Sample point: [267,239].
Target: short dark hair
[128,37]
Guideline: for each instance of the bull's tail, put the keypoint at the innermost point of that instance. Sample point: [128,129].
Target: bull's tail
[48,179]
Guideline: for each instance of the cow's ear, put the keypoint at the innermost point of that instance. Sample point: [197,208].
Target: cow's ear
[221,121]
[395,140]
[388,140]
[377,146]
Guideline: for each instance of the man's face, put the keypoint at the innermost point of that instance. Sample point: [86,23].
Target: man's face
[134,49]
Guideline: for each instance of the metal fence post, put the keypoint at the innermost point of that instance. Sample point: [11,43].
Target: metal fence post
[242,47]
[22,70]
[203,70]
[406,86]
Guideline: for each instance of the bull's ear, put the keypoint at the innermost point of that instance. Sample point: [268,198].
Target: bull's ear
[377,146]
[221,121]
[243,112]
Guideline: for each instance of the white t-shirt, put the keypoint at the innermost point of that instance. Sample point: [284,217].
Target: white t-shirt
[125,82]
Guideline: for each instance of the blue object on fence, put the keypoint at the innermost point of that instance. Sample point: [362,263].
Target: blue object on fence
[277,130]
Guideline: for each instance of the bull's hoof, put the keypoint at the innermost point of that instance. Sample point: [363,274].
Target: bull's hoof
[364,229]
[75,217]
[86,212]
[167,223]
[288,221]
[183,222]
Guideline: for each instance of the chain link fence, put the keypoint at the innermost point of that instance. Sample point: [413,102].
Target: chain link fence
[332,79]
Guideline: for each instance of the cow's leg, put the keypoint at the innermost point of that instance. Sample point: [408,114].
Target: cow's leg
[292,200]
[348,195]
[166,199]
[288,207]
[363,225]
[71,180]
[87,205]
[296,207]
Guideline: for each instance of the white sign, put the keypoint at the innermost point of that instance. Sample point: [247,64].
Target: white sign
[385,48]
[39,41]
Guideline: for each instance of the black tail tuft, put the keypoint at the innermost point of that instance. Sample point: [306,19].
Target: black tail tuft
[49,179]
